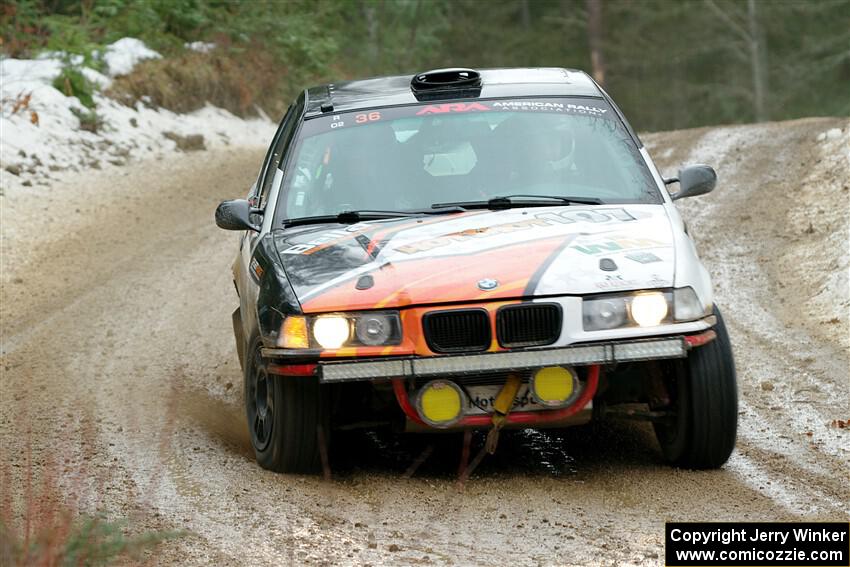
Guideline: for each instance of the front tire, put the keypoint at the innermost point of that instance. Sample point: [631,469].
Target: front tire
[286,417]
[703,435]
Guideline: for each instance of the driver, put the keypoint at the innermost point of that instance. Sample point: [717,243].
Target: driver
[550,150]
[541,150]
[362,173]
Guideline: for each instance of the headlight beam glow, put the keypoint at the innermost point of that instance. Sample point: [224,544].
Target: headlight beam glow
[649,309]
[331,331]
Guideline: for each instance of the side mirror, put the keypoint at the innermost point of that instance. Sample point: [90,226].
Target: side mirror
[694,180]
[236,215]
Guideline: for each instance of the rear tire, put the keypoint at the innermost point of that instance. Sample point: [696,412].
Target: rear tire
[703,435]
[285,416]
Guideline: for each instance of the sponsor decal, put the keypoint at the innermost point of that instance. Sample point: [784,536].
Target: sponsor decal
[656,281]
[527,104]
[549,107]
[541,220]
[482,401]
[585,109]
[616,282]
[643,257]
[256,268]
[594,216]
[617,244]
[452,107]
[470,234]
[326,238]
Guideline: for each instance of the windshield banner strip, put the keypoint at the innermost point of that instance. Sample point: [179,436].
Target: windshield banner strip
[577,106]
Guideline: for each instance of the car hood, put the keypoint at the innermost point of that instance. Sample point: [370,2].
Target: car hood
[478,256]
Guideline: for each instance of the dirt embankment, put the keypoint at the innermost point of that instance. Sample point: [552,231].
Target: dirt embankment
[121,381]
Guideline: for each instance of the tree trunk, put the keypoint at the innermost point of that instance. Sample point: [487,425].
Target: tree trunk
[525,14]
[757,62]
[373,30]
[595,40]
[411,46]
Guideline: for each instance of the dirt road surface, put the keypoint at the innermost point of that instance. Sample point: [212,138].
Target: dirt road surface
[121,390]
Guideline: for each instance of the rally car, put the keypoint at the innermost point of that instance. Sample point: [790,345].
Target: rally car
[472,249]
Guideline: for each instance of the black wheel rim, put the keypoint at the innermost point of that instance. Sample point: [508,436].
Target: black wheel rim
[260,406]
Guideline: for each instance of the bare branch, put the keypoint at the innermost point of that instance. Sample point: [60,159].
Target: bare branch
[736,27]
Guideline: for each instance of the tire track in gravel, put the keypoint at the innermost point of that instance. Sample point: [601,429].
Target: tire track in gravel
[741,232]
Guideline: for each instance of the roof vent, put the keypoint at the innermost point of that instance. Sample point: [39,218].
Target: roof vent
[446,83]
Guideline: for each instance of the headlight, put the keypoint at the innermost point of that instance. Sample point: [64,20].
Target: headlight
[641,309]
[604,313]
[373,330]
[649,309]
[337,330]
[331,331]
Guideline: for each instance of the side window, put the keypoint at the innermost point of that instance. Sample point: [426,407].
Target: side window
[271,162]
[278,150]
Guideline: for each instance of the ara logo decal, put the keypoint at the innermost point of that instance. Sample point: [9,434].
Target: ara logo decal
[488,284]
[452,107]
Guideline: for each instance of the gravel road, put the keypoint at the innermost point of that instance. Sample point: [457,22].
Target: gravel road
[121,390]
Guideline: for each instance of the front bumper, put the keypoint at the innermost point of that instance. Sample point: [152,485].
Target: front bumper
[459,365]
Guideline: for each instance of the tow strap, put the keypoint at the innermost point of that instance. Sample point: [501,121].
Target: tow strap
[501,408]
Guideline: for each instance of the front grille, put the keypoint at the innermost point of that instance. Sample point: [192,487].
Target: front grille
[459,330]
[530,324]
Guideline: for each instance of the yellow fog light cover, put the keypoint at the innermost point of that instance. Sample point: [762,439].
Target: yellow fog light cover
[649,309]
[554,385]
[293,333]
[440,403]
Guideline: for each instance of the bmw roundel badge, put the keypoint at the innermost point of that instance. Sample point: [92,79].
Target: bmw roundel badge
[488,284]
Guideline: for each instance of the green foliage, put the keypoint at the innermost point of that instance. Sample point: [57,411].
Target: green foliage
[72,82]
[669,64]
[21,28]
[87,541]
[65,34]
[95,541]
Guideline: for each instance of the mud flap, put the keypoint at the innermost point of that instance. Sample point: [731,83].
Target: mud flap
[239,335]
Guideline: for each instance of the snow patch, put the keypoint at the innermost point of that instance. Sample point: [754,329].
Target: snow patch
[92,76]
[200,46]
[22,73]
[40,127]
[121,56]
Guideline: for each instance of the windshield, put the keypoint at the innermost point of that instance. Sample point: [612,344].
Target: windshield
[408,158]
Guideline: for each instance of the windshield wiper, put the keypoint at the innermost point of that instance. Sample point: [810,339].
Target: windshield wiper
[352,217]
[511,201]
